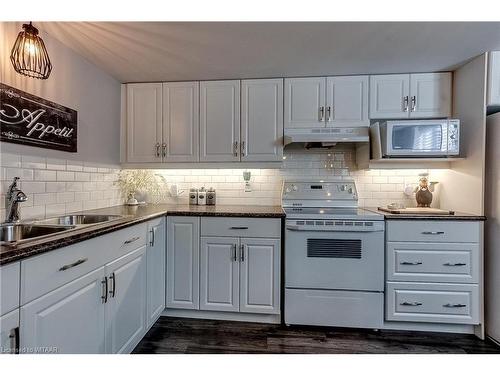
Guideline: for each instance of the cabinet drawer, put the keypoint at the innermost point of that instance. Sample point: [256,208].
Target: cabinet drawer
[433,231]
[49,271]
[433,262]
[9,287]
[240,227]
[433,303]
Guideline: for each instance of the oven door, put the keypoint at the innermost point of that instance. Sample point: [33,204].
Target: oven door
[329,259]
[417,138]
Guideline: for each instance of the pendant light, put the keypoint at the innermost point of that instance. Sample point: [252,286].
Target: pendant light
[29,55]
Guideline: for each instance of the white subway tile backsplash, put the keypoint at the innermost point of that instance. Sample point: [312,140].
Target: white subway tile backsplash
[32,186]
[65,176]
[56,164]
[44,175]
[33,162]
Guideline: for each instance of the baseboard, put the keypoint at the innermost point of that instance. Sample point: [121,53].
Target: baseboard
[223,315]
[429,327]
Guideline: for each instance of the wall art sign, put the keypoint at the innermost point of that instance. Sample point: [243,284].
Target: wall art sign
[29,120]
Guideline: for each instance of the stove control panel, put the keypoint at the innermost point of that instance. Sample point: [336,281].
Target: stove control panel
[342,190]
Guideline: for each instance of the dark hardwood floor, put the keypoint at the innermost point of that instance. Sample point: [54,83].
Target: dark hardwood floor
[178,335]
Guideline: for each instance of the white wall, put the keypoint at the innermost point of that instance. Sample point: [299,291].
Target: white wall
[74,83]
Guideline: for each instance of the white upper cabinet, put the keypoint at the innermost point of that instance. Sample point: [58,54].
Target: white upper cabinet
[389,96]
[220,120]
[261,120]
[183,262]
[426,95]
[494,78]
[347,101]
[181,126]
[219,274]
[305,102]
[430,95]
[144,122]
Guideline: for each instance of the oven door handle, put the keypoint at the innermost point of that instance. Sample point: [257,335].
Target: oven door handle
[296,228]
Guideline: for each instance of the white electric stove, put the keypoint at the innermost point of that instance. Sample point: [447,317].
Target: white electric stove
[334,256]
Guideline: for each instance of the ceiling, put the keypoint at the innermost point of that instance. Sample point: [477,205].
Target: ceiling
[176,51]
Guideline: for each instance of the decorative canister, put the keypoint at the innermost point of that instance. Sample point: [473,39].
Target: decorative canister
[211,197]
[202,197]
[423,194]
[193,196]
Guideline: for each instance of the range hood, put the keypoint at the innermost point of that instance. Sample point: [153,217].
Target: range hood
[326,136]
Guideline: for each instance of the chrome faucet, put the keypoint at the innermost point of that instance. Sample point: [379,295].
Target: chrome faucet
[13,197]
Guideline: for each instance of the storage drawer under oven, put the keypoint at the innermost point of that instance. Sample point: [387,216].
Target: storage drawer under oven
[334,260]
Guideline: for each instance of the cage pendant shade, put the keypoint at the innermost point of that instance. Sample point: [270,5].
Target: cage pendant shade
[29,55]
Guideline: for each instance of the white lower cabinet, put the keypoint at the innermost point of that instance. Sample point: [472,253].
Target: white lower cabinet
[126,305]
[260,275]
[9,332]
[156,262]
[183,257]
[69,319]
[219,274]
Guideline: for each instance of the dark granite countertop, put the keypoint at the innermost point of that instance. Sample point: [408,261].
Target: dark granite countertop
[455,216]
[132,215]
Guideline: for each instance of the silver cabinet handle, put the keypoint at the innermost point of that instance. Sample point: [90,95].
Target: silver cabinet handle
[133,239]
[328,114]
[157,147]
[436,232]
[410,304]
[238,227]
[14,340]
[405,104]
[411,263]
[454,305]
[68,266]
[152,242]
[242,148]
[112,278]
[235,148]
[234,257]
[321,114]
[454,264]
[242,253]
[104,295]
[413,103]
[164,150]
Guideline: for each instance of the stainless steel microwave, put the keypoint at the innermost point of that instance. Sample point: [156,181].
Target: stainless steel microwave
[416,138]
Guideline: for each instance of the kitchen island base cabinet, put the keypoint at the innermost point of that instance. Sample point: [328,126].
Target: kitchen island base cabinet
[70,319]
[126,306]
[156,263]
[183,257]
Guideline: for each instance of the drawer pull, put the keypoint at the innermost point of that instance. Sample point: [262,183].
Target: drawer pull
[131,240]
[68,266]
[454,264]
[238,227]
[411,263]
[410,304]
[454,305]
[436,232]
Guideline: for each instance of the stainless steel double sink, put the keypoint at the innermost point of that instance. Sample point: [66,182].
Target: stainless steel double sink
[13,233]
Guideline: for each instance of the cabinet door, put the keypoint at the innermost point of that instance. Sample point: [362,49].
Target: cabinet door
[494,78]
[9,332]
[389,96]
[126,306]
[262,120]
[347,101]
[430,95]
[260,275]
[156,251]
[181,125]
[144,122]
[183,256]
[219,274]
[305,102]
[69,319]
[220,120]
